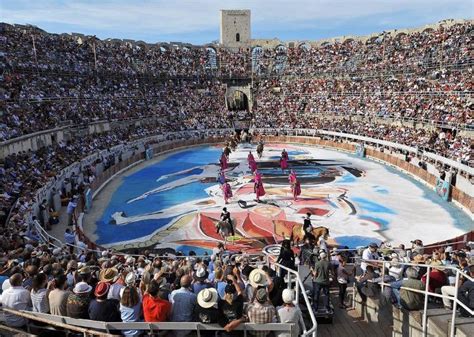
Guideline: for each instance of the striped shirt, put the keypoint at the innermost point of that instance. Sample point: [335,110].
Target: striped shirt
[40,302]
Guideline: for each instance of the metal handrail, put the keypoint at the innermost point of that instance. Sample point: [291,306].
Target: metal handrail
[299,285]
[427,293]
[87,326]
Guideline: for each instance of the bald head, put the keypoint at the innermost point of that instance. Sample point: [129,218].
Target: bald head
[15,280]
[185,281]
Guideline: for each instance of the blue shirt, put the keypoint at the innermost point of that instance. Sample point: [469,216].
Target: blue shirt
[71,206]
[70,238]
[131,315]
[221,289]
[198,286]
[183,302]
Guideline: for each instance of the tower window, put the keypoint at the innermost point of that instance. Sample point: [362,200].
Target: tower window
[237,37]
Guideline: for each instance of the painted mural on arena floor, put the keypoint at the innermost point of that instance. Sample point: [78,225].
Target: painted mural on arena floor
[175,203]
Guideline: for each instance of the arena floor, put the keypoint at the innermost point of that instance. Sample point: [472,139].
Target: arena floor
[174,202]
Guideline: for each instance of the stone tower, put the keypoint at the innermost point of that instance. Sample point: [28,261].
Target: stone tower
[235,28]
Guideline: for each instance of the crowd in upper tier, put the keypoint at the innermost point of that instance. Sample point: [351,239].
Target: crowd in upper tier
[49,80]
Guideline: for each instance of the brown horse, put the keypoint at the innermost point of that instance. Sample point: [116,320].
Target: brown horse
[298,233]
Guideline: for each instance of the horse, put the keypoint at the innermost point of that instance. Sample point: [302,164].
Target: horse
[298,233]
[224,229]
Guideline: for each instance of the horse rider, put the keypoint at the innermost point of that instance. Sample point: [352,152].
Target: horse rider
[225,217]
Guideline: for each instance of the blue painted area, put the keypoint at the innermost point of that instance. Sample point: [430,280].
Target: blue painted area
[355,241]
[195,171]
[382,222]
[371,206]
[381,190]
[199,251]
[145,180]
[347,178]
[301,171]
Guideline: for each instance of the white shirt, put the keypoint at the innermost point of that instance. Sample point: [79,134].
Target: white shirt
[368,255]
[17,298]
[322,244]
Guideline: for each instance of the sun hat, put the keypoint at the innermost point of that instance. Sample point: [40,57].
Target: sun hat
[130,279]
[258,278]
[419,258]
[81,288]
[201,273]
[101,289]
[322,255]
[207,298]
[261,295]
[85,270]
[109,275]
[288,295]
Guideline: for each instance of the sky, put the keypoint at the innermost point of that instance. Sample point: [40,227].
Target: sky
[197,22]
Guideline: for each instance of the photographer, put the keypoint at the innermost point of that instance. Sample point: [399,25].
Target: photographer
[231,308]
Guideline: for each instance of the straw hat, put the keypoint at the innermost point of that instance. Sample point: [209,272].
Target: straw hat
[419,258]
[258,278]
[207,298]
[84,270]
[109,275]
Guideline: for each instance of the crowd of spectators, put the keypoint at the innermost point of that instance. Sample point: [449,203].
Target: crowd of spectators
[385,52]
[446,143]
[52,79]
[223,288]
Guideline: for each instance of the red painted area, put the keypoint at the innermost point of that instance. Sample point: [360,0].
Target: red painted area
[208,227]
[313,211]
[255,231]
[245,189]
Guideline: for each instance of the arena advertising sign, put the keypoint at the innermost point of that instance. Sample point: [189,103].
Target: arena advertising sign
[149,154]
[88,197]
[443,189]
[360,150]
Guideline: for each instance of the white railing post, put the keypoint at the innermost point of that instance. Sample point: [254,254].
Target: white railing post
[425,307]
[455,302]
[383,276]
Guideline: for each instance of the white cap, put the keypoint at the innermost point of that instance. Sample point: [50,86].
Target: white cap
[288,295]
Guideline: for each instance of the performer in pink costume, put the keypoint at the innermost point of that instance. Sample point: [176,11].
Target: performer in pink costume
[283,163]
[284,154]
[252,162]
[227,192]
[258,185]
[295,185]
[223,161]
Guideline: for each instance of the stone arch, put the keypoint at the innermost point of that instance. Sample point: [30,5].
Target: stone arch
[237,100]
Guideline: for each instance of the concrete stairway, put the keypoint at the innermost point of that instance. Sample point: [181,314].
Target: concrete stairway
[406,323]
